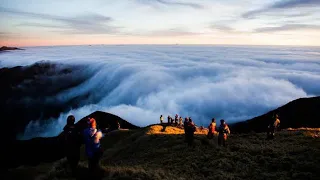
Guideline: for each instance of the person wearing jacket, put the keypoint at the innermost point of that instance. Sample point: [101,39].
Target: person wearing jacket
[72,143]
[191,128]
[224,131]
[92,138]
[212,128]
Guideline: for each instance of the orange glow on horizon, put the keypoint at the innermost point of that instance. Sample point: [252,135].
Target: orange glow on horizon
[217,39]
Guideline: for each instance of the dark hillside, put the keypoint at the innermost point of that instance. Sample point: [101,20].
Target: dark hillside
[36,150]
[28,93]
[303,112]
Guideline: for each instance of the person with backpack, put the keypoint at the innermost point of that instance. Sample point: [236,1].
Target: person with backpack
[92,138]
[224,131]
[72,143]
[212,129]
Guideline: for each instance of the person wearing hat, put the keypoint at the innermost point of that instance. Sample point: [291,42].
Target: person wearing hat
[92,138]
[224,131]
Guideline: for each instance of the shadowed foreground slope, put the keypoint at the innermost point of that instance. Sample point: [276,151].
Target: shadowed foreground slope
[150,153]
[37,150]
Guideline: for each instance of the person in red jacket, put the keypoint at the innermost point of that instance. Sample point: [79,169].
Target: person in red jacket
[212,128]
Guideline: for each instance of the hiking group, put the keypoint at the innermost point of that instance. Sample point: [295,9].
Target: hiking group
[222,131]
[74,137]
[91,136]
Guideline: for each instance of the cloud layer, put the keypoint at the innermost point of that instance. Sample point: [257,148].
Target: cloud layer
[83,24]
[139,83]
[283,6]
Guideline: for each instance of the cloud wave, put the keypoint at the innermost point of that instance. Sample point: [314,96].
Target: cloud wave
[138,83]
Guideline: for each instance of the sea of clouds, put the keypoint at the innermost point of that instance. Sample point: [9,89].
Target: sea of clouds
[139,83]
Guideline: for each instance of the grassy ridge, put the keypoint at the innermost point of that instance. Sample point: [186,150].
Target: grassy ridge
[151,153]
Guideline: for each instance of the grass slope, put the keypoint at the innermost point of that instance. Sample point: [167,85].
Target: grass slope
[155,153]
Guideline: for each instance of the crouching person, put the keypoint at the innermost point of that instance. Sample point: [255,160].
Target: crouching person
[92,138]
[224,131]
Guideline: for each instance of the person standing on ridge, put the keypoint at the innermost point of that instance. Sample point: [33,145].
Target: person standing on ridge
[161,119]
[185,126]
[92,138]
[191,128]
[212,128]
[169,119]
[176,119]
[72,143]
[224,131]
[180,121]
[273,126]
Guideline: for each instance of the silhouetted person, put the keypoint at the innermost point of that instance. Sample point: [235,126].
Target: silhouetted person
[72,143]
[118,125]
[273,126]
[185,127]
[92,138]
[212,128]
[169,120]
[176,119]
[191,128]
[161,119]
[224,131]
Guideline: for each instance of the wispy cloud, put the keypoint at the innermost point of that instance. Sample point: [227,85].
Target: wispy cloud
[222,27]
[156,3]
[295,3]
[84,24]
[282,5]
[288,27]
[165,32]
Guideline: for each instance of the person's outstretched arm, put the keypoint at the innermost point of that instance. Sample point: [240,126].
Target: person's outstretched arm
[98,137]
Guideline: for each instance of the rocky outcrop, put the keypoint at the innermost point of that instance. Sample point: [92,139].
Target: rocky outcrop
[5,48]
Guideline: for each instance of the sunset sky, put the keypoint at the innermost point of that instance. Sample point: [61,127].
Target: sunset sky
[243,22]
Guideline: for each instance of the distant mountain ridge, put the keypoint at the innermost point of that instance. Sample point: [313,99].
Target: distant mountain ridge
[6,48]
[302,112]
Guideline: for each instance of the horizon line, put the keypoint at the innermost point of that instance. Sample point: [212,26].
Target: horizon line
[176,44]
